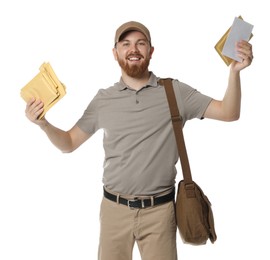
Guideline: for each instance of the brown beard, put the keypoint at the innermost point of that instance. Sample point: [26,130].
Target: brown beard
[134,71]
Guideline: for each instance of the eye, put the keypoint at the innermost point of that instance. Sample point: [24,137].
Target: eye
[125,44]
[141,43]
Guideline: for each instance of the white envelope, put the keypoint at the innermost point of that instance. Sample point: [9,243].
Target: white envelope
[240,30]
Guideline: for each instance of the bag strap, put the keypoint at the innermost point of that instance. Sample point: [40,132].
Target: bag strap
[177,126]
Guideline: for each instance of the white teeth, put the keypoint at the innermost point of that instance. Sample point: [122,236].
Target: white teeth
[134,59]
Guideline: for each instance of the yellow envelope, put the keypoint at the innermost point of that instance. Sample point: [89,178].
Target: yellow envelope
[44,86]
[220,44]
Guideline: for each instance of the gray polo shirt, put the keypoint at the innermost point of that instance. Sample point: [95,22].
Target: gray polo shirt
[139,143]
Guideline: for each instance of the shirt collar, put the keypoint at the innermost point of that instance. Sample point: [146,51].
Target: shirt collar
[152,82]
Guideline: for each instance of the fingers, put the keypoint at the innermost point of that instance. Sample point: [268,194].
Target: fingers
[244,50]
[34,108]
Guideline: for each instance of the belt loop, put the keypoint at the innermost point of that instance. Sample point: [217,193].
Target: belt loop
[152,201]
[117,198]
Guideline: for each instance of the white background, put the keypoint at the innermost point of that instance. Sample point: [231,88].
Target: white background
[49,201]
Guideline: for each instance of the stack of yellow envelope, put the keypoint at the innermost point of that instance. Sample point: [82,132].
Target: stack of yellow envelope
[44,86]
[219,47]
[220,44]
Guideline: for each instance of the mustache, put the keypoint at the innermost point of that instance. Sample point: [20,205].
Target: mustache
[136,55]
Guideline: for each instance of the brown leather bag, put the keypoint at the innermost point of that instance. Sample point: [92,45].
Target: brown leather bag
[194,215]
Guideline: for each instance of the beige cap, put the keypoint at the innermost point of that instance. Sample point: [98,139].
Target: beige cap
[132,26]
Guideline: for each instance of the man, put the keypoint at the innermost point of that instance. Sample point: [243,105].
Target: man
[139,143]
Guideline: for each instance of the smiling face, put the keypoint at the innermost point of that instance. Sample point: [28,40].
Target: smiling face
[133,53]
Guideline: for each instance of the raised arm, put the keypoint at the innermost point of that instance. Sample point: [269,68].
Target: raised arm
[66,141]
[228,109]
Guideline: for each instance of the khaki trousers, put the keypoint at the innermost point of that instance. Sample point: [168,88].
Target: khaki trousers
[153,229]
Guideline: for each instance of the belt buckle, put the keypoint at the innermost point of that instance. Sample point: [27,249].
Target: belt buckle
[135,200]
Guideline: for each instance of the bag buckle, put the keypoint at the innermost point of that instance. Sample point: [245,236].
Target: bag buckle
[176,118]
[190,190]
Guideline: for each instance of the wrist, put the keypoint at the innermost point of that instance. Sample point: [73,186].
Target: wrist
[43,123]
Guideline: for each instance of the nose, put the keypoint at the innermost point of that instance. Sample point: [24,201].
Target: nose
[134,47]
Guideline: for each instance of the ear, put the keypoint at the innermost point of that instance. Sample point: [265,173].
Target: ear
[151,51]
[115,53]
